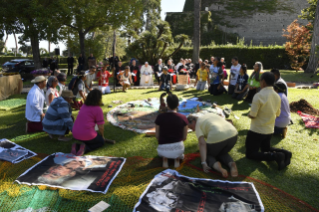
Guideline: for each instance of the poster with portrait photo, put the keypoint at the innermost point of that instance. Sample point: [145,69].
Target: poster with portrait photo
[14,153]
[171,192]
[88,173]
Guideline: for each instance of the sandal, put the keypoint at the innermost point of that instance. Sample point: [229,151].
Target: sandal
[73,150]
[81,151]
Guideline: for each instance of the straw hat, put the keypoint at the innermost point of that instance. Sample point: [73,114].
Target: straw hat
[38,79]
[67,94]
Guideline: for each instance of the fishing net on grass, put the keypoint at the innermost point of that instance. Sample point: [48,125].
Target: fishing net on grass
[123,193]
[11,104]
[139,116]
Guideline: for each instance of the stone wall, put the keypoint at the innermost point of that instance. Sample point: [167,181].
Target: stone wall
[259,27]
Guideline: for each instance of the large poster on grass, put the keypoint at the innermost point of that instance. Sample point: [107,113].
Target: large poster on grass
[13,152]
[89,173]
[171,192]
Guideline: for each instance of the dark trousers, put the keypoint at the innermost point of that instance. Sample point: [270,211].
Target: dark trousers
[231,89]
[250,95]
[70,69]
[219,151]
[213,89]
[240,96]
[278,130]
[93,144]
[157,78]
[256,141]
[34,127]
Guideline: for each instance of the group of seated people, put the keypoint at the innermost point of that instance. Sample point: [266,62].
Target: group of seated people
[270,113]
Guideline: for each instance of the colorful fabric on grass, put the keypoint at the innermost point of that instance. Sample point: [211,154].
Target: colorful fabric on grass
[171,191]
[309,120]
[89,173]
[11,104]
[14,153]
[139,116]
[125,191]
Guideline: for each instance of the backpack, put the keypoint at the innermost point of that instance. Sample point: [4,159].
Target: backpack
[72,83]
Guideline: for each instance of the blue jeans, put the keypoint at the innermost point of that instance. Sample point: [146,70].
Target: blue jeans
[167,87]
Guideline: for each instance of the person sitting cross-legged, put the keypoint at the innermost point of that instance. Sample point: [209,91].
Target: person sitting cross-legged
[58,119]
[241,88]
[165,80]
[91,114]
[283,120]
[171,132]
[264,110]
[34,107]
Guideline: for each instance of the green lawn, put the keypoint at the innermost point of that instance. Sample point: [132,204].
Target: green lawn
[300,179]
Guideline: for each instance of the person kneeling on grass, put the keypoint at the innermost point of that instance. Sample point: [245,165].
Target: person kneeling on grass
[202,77]
[165,80]
[221,136]
[171,132]
[103,77]
[58,119]
[241,88]
[125,78]
[264,110]
[91,114]
[281,123]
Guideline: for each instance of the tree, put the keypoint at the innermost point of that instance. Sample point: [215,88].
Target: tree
[26,49]
[309,13]
[298,44]
[87,16]
[36,20]
[197,30]
[151,45]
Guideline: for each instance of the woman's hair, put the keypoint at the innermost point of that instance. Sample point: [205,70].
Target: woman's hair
[257,73]
[244,68]
[280,88]
[219,64]
[94,98]
[202,64]
[172,101]
[191,118]
[50,81]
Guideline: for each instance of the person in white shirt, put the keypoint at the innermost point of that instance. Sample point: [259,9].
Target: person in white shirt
[90,78]
[61,85]
[146,75]
[179,64]
[234,72]
[52,91]
[34,107]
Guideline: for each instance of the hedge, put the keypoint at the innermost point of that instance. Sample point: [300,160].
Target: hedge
[271,57]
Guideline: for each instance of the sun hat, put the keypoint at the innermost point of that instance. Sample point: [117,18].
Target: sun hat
[67,94]
[165,68]
[39,79]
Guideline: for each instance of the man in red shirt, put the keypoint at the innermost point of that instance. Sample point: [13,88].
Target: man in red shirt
[103,77]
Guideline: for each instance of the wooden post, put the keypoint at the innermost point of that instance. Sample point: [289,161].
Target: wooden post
[113,65]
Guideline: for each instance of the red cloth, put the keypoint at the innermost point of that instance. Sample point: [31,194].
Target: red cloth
[174,77]
[135,77]
[105,78]
[34,127]
[309,120]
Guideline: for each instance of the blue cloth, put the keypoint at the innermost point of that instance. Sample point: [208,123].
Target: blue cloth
[216,74]
[58,118]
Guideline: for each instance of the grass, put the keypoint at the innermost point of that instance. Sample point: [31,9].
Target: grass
[300,179]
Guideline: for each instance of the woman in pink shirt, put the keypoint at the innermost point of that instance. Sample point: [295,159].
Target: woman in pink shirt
[91,114]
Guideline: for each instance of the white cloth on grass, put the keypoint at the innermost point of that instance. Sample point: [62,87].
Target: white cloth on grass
[172,151]
[105,90]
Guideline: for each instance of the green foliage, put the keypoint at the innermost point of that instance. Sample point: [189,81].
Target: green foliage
[309,13]
[26,49]
[271,56]
[152,45]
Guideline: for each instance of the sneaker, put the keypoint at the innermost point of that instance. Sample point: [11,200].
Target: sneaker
[280,159]
[81,151]
[284,132]
[73,150]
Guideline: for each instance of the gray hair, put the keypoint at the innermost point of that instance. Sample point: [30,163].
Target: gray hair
[260,69]
[50,80]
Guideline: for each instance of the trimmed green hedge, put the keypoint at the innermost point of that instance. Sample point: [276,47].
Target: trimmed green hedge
[271,57]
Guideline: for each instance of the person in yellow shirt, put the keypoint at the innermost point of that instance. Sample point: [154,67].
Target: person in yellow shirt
[202,77]
[264,110]
[221,136]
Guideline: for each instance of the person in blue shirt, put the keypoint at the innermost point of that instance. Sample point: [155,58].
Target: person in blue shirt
[216,74]
[241,89]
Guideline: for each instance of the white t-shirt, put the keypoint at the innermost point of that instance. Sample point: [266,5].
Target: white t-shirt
[234,72]
[90,78]
[53,91]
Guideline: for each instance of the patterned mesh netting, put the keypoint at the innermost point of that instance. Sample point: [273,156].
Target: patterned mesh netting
[123,193]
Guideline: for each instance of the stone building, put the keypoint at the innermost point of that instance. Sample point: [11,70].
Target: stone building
[256,24]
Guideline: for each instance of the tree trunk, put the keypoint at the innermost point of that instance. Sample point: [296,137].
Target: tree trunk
[196,42]
[15,38]
[5,42]
[113,65]
[82,48]
[314,57]
[49,47]
[36,51]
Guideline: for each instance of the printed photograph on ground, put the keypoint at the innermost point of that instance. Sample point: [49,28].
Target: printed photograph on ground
[89,173]
[169,191]
[13,152]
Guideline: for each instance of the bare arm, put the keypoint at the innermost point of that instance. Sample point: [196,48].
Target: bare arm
[101,130]
[245,88]
[82,94]
[157,132]
[185,133]
[50,98]
[203,153]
